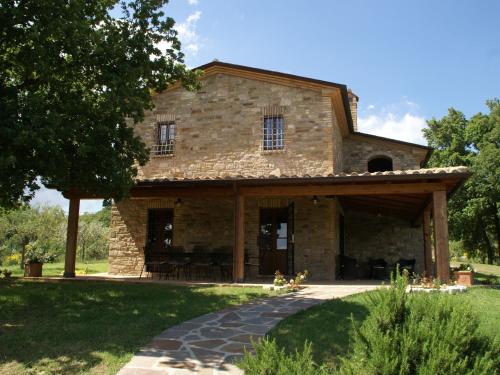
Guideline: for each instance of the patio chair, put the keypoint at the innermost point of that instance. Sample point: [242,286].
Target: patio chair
[406,264]
[154,263]
[224,261]
[202,263]
[349,268]
[378,269]
[180,262]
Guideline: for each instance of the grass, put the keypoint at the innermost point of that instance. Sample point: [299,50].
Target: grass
[57,268]
[94,327]
[329,328]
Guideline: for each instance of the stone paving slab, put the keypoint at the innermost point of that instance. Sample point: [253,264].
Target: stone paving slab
[210,344]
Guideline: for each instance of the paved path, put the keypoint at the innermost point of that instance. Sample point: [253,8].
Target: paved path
[209,344]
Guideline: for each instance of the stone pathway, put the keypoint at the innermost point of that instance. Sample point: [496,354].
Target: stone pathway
[209,344]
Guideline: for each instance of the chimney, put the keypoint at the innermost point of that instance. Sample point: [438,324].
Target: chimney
[353,104]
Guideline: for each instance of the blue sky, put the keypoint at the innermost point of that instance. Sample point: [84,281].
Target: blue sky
[407,60]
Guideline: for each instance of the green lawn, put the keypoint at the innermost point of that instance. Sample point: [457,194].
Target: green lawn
[329,328]
[94,327]
[57,269]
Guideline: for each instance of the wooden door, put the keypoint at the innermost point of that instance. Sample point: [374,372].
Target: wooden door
[273,240]
[160,230]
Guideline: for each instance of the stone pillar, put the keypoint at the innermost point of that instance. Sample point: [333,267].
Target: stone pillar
[71,237]
[440,215]
[429,271]
[239,239]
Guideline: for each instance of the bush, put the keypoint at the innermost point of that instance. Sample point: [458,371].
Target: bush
[270,360]
[419,334]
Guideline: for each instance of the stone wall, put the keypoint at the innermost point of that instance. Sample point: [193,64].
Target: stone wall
[210,222]
[371,236]
[198,221]
[219,130]
[128,237]
[357,153]
[316,242]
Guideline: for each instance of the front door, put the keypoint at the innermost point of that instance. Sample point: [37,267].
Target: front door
[160,230]
[273,240]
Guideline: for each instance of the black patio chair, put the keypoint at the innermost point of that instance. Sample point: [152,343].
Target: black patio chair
[406,264]
[154,263]
[180,262]
[349,268]
[223,261]
[202,263]
[378,269]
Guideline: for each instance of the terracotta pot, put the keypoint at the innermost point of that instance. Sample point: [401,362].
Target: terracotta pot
[464,277]
[33,269]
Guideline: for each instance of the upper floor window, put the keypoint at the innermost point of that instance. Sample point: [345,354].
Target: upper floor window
[273,133]
[166,138]
[380,164]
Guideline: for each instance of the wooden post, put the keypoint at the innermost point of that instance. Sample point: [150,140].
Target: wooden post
[440,215]
[71,237]
[239,239]
[427,243]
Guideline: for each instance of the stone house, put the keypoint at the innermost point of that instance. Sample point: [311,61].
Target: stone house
[270,167]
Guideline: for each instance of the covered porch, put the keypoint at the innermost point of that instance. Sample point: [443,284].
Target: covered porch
[285,223]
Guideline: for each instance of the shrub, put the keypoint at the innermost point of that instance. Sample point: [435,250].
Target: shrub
[37,253]
[270,360]
[419,334]
[279,279]
[6,273]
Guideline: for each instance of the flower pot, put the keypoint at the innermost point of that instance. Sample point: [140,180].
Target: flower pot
[33,269]
[464,278]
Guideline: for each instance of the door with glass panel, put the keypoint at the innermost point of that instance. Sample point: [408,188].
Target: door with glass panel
[273,240]
[160,230]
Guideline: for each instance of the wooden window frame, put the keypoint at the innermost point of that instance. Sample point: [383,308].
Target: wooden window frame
[165,147]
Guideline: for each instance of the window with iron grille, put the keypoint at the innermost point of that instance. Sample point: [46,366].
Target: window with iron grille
[166,138]
[273,133]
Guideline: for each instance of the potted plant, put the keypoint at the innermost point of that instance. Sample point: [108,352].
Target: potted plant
[279,279]
[295,284]
[35,256]
[465,275]
[6,273]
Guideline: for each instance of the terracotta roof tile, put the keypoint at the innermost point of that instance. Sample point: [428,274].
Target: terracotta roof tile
[423,172]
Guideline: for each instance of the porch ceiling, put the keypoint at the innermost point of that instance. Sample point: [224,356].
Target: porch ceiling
[404,206]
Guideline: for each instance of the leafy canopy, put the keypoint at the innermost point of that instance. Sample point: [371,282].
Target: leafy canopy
[73,82]
[475,142]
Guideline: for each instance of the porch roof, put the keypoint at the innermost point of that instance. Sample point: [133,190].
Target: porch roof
[402,193]
[459,172]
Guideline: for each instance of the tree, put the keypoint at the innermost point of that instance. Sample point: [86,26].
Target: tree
[93,238]
[45,225]
[73,82]
[474,209]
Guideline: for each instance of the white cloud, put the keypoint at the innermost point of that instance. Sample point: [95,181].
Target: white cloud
[187,33]
[192,2]
[370,107]
[51,197]
[407,127]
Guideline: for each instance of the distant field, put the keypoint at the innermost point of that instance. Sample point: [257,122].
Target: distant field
[57,269]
